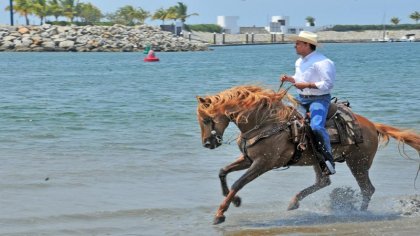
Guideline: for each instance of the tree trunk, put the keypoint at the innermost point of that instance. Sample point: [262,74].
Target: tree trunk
[27,19]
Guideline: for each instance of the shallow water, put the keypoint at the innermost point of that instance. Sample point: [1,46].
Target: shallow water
[103,143]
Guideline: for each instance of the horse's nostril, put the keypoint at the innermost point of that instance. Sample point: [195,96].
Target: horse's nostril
[207,144]
[219,139]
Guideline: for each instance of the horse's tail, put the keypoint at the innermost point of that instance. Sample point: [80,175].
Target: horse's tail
[405,136]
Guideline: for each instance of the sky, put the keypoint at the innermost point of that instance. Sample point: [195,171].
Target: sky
[259,12]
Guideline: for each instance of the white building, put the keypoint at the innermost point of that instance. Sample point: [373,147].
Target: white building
[278,25]
[281,25]
[229,24]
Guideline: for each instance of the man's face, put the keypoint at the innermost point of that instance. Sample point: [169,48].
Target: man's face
[302,48]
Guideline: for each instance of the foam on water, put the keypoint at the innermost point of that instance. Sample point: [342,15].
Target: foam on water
[409,206]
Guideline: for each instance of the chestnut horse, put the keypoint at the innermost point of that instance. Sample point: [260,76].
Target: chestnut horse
[253,109]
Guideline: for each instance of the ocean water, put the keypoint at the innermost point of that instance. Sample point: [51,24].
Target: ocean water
[106,144]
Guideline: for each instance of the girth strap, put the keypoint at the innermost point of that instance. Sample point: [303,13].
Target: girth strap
[251,138]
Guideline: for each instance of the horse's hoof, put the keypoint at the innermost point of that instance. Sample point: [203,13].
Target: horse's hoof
[219,220]
[237,201]
[293,206]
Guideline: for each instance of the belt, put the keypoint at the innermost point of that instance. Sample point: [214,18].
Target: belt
[313,96]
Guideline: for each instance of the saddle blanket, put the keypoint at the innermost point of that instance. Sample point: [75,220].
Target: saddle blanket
[343,127]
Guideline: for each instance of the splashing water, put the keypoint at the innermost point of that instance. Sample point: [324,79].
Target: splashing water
[409,206]
[344,200]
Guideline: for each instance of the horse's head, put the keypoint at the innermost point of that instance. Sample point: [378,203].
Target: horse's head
[212,126]
[247,106]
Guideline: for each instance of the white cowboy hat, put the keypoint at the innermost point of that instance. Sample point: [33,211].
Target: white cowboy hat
[306,36]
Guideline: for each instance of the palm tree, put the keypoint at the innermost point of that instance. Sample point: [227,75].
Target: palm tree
[310,20]
[395,20]
[22,7]
[125,15]
[69,8]
[40,9]
[55,9]
[89,13]
[141,15]
[172,13]
[11,12]
[160,14]
[182,12]
[415,16]
[128,15]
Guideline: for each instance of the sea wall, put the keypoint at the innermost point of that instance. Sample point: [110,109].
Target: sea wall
[364,36]
[117,38]
[323,36]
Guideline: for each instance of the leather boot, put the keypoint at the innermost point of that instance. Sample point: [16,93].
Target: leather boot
[328,167]
[329,162]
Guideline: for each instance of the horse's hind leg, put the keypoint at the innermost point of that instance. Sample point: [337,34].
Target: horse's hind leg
[239,164]
[362,177]
[321,182]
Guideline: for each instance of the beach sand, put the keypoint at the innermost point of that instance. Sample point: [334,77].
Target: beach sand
[404,226]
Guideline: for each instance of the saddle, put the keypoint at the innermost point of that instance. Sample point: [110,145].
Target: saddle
[341,125]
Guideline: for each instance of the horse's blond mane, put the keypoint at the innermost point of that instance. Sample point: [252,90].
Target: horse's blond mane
[243,100]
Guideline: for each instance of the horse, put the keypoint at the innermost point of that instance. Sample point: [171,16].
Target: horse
[254,110]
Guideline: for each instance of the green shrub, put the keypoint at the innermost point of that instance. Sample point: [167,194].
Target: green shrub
[211,28]
[64,23]
[343,28]
[60,23]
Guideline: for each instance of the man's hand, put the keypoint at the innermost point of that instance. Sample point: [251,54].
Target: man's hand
[287,78]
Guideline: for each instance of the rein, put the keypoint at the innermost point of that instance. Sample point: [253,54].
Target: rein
[250,138]
[247,141]
[281,85]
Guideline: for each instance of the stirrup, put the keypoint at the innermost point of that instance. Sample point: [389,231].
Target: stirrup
[330,168]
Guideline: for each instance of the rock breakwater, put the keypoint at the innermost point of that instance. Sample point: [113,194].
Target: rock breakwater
[117,38]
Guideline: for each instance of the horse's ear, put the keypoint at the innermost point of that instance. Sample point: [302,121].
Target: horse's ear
[203,101]
[200,99]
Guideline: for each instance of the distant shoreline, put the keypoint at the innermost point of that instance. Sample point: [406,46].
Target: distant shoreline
[288,42]
[324,37]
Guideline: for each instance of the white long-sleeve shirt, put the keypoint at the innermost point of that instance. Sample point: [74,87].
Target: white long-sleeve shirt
[315,68]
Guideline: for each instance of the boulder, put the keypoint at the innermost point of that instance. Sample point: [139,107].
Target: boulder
[66,44]
[23,30]
[7,45]
[48,45]
[9,38]
[26,42]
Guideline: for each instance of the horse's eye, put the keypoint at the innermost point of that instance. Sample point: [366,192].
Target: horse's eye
[206,121]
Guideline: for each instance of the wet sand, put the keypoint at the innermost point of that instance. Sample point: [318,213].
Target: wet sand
[403,226]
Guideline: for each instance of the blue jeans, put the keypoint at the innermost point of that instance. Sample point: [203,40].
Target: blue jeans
[318,108]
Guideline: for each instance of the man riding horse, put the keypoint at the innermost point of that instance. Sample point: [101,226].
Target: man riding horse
[314,77]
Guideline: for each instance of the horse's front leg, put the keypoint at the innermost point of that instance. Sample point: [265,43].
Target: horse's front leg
[239,164]
[253,172]
[321,182]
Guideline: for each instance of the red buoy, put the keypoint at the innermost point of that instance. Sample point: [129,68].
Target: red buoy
[151,57]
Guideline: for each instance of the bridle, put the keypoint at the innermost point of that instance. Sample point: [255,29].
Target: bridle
[213,132]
